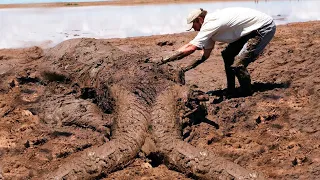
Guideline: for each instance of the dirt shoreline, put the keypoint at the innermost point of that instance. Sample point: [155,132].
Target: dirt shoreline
[107,3]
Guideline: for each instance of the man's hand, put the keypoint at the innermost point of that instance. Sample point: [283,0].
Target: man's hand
[205,55]
[194,64]
[184,69]
[176,55]
[157,60]
[161,61]
[171,57]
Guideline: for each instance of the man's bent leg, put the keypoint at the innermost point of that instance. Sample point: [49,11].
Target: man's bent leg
[251,50]
[242,61]
[228,55]
[228,61]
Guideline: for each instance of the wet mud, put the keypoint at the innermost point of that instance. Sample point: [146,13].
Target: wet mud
[99,109]
[193,161]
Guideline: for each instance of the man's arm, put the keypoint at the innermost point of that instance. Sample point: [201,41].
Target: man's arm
[180,53]
[205,55]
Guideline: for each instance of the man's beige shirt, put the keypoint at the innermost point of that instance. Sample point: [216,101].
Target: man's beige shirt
[228,25]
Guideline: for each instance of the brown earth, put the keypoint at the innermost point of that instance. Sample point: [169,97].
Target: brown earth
[59,105]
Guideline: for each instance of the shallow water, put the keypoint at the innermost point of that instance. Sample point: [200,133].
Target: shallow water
[47,27]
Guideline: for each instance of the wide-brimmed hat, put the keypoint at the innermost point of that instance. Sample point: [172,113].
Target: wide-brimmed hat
[194,14]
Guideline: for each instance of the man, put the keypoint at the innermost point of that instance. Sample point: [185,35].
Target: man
[246,30]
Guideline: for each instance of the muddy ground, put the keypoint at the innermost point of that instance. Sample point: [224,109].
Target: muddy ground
[57,103]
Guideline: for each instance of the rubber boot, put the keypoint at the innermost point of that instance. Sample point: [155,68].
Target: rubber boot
[231,86]
[244,80]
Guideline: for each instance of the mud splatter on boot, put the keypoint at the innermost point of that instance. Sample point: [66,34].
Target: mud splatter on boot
[244,80]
